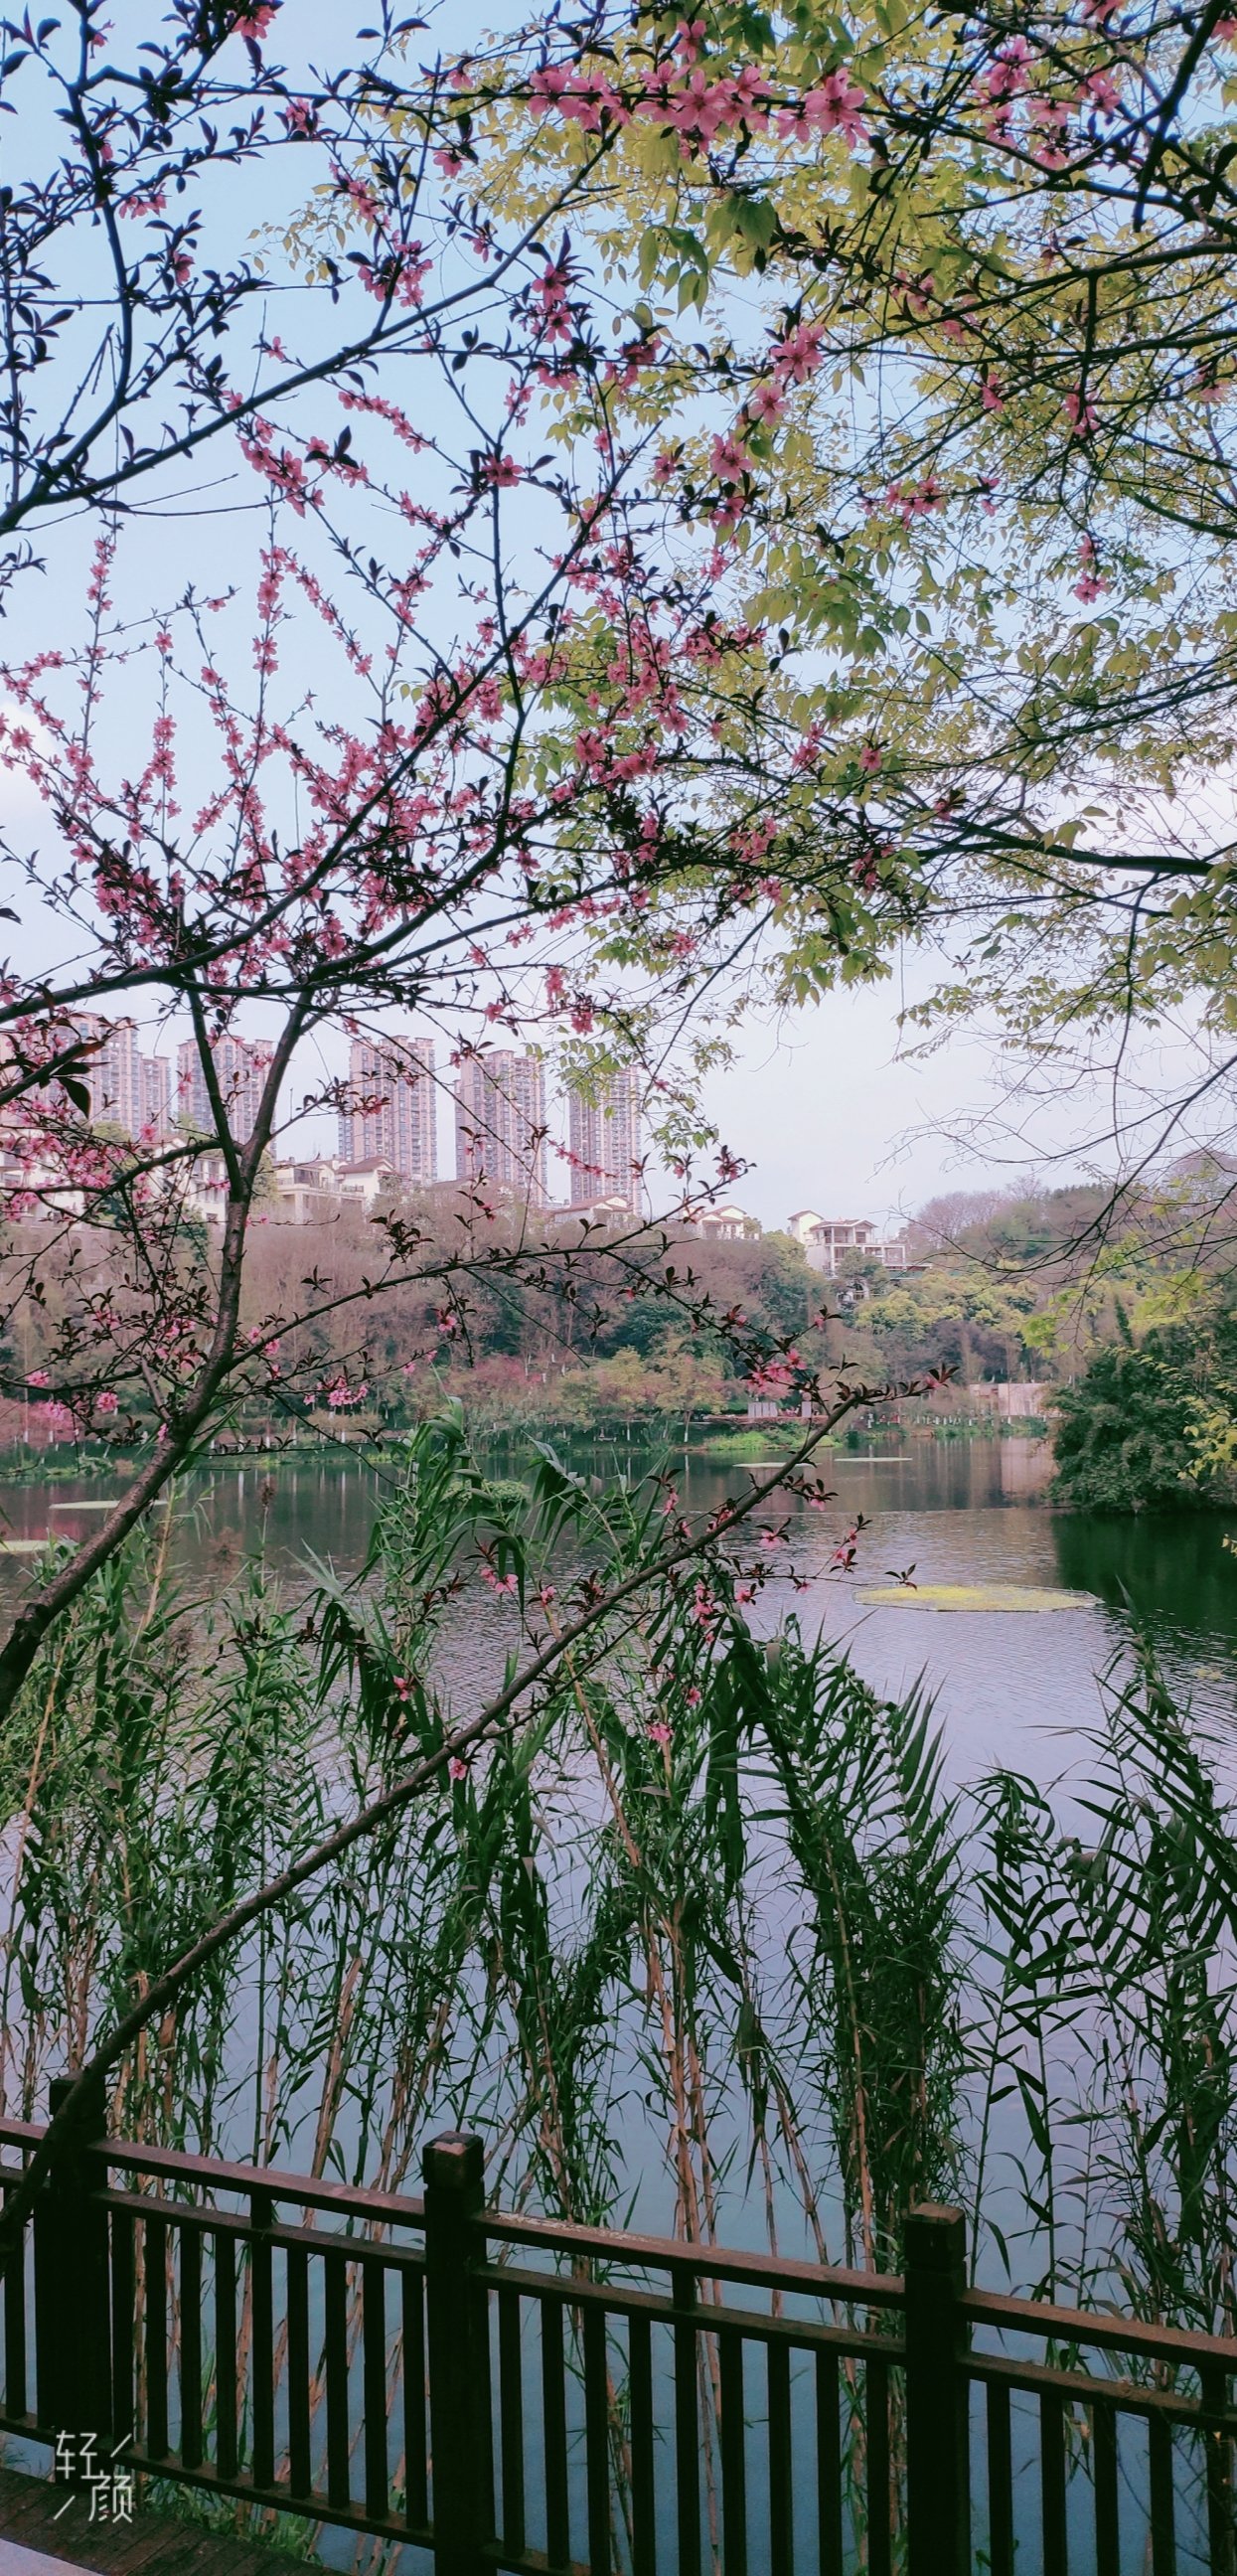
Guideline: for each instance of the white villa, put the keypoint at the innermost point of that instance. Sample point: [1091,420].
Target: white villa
[825,1239]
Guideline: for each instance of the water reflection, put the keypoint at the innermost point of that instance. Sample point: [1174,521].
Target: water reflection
[1016,1687]
[1175,1571]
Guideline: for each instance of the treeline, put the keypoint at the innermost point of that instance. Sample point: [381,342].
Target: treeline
[1059,1287]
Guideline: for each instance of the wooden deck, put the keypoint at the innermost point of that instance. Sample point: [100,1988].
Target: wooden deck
[152,2544]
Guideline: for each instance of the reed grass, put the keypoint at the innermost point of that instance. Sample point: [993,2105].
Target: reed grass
[709,1936]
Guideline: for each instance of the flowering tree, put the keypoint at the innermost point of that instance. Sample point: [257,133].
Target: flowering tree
[459,715]
[136,305]
[452,723]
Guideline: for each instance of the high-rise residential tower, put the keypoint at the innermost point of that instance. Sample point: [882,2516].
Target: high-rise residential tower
[606,1135]
[500,1123]
[392,1107]
[241,1067]
[114,1074]
[157,1106]
[127,1090]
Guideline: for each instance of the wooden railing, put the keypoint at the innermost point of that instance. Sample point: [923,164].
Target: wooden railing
[513,2393]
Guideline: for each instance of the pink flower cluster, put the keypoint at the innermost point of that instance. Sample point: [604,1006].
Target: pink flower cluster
[834,108]
[914,500]
[582,98]
[700,105]
[1090,585]
[1082,415]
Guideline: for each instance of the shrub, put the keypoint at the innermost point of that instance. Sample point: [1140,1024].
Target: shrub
[1126,1432]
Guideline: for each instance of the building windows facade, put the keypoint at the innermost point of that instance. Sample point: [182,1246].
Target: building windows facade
[500,1124]
[392,1108]
[606,1138]
[241,1068]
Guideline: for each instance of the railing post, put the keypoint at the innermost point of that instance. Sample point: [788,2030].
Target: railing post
[457,2334]
[937,2395]
[72,2304]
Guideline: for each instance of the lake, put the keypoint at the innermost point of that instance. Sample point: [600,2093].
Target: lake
[1013,1686]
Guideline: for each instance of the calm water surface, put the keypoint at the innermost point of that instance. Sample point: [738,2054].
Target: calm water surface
[1011,1686]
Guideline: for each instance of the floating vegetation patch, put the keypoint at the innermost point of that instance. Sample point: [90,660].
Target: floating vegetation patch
[972,1596]
[743,1445]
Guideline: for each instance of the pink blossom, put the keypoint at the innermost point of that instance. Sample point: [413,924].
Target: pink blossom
[1008,76]
[870,759]
[456,1768]
[1089,586]
[658,1732]
[1081,414]
[831,109]
[729,459]
[767,404]
[914,500]
[584,101]
[799,355]
[993,393]
[106,1402]
[1101,91]
[704,1609]
[341,1393]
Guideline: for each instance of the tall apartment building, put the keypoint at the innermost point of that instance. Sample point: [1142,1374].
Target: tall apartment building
[500,1123]
[157,1105]
[392,1111]
[606,1138]
[114,1074]
[127,1089]
[241,1067]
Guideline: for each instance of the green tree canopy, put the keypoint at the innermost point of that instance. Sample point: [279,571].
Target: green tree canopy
[942,308]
